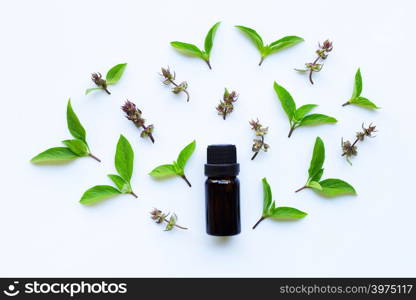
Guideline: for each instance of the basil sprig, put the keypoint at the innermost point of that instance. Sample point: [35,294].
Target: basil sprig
[299,117]
[177,168]
[124,159]
[194,51]
[76,147]
[356,98]
[276,46]
[330,187]
[279,213]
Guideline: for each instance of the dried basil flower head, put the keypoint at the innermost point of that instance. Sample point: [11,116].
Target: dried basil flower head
[169,78]
[350,149]
[135,115]
[258,143]
[159,217]
[226,105]
[322,53]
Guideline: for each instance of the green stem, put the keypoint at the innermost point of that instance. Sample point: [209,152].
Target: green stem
[261,61]
[186,180]
[208,63]
[94,157]
[291,131]
[258,222]
[346,103]
[134,195]
[302,188]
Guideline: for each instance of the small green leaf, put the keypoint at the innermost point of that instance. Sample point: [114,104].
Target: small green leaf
[115,73]
[121,184]
[54,155]
[316,119]
[314,185]
[209,39]
[303,111]
[87,91]
[363,102]
[253,36]
[286,100]
[317,176]
[283,43]
[318,158]
[335,187]
[98,193]
[185,154]
[287,213]
[163,171]
[124,158]
[301,70]
[267,197]
[188,49]
[74,125]
[358,84]
[77,146]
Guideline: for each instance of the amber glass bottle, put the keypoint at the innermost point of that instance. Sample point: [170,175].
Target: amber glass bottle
[222,191]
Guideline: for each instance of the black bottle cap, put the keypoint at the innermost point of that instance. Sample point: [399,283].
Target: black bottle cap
[221,161]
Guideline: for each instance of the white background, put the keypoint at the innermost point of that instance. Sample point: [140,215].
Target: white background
[49,49]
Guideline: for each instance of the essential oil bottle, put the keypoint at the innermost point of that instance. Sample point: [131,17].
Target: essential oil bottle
[222,191]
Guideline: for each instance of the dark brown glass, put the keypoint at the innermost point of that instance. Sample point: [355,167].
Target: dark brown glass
[222,202]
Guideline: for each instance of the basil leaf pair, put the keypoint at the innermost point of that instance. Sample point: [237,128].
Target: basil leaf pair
[276,46]
[299,117]
[75,148]
[124,160]
[271,211]
[356,98]
[194,51]
[177,168]
[112,77]
[329,187]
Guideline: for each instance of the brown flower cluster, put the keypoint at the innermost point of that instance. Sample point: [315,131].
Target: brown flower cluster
[226,105]
[169,78]
[258,143]
[159,217]
[322,53]
[350,149]
[135,115]
[97,78]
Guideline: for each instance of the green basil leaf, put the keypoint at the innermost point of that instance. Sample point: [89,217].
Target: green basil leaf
[87,91]
[335,187]
[314,185]
[286,100]
[363,102]
[74,125]
[318,158]
[316,119]
[287,213]
[209,39]
[317,176]
[54,155]
[253,36]
[185,154]
[303,111]
[267,197]
[120,183]
[358,84]
[98,193]
[115,73]
[163,171]
[124,158]
[77,146]
[283,43]
[188,49]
